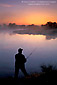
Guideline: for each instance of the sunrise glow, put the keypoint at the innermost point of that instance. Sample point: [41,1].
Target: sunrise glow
[16,12]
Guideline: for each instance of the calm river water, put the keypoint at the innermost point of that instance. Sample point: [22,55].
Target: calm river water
[44,52]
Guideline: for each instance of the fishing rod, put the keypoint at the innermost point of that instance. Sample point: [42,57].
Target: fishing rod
[30,54]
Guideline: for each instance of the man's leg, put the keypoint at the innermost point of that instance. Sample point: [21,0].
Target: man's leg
[24,70]
[16,72]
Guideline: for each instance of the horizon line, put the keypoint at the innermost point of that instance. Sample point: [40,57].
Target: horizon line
[26,24]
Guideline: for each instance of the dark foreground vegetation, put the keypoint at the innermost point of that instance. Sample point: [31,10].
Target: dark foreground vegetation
[48,76]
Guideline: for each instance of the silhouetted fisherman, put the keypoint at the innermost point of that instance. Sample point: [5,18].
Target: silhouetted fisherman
[20,61]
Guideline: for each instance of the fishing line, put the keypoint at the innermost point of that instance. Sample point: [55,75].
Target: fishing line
[31,53]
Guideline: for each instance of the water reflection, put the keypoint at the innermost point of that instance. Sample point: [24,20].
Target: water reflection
[45,51]
[31,30]
[46,31]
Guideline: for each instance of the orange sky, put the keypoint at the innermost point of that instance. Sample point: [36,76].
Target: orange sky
[23,14]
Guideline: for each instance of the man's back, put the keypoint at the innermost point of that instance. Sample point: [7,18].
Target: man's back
[20,58]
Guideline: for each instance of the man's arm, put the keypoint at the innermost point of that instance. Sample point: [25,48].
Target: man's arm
[24,59]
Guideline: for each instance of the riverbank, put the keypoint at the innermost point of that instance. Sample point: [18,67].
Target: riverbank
[33,79]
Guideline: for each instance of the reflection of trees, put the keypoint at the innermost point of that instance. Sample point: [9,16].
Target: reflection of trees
[50,37]
[49,33]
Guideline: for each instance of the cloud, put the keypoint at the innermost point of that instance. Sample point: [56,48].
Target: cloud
[6,5]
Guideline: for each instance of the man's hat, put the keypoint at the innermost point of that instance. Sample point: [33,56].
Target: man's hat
[20,49]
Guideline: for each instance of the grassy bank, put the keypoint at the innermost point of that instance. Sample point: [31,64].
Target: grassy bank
[46,77]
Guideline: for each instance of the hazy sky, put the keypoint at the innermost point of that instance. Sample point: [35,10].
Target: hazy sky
[25,12]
